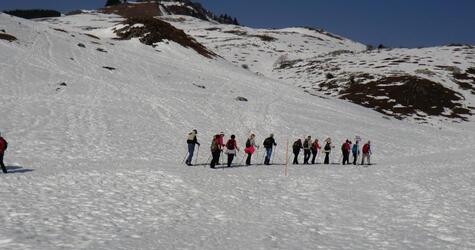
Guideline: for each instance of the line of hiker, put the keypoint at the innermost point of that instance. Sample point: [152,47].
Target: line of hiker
[311,149]
[218,147]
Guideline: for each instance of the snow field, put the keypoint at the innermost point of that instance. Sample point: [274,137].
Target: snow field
[98,161]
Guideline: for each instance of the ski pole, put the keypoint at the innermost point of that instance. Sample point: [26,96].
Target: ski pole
[257,156]
[274,151]
[184,159]
[197,154]
[207,162]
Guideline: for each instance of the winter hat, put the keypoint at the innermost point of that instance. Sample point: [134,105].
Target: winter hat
[271,135]
[196,131]
[233,136]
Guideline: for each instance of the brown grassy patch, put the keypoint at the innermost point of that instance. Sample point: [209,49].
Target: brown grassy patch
[236,32]
[60,30]
[133,10]
[7,37]
[411,94]
[92,36]
[265,38]
[155,30]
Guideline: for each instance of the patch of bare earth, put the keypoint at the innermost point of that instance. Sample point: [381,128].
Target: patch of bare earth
[7,37]
[466,80]
[407,96]
[151,31]
[127,10]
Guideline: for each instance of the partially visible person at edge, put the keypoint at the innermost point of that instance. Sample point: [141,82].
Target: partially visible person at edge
[3,148]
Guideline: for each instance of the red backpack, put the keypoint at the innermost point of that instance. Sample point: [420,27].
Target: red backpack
[365,149]
[3,145]
[231,144]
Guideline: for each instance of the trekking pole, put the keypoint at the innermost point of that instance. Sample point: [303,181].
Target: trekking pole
[184,159]
[257,156]
[274,150]
[207,162]
[197,154]
[242,160]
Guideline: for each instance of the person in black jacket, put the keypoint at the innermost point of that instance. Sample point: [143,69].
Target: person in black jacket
[191,141]
[296,148]
[269,144]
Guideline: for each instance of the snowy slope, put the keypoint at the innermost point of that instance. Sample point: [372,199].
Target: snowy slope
[261,49]
[96,164]
[305,57]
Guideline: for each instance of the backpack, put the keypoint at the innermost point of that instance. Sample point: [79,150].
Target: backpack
[268,143]
[296,145]
[214,145]
[355,149]
[230,145]
[3,144]
[328,147]
[315,146]
[248,143]
[365,149]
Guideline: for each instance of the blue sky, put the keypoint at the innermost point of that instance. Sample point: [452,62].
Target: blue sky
[406,23]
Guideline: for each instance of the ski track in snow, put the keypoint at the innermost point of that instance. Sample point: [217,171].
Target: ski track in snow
[96,164]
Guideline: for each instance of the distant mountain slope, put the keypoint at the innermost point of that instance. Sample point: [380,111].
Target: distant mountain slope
[394,82]
[421,84]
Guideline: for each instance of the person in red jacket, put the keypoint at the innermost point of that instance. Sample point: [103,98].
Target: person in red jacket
[366,153]
[345,149]
[315,149]
[3,148]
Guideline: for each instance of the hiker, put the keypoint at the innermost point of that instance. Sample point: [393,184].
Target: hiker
[3,148]
[315,148]
[366,153]
[216,150]
[250,148]
[307,149]
[192,141]
[356,151]
[327,150]
[231,149]
[269,144]
[345,150]
[221,145]
[296,148]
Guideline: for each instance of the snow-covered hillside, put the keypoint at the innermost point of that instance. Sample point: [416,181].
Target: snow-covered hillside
[324,64]
[260,50]
[97,130]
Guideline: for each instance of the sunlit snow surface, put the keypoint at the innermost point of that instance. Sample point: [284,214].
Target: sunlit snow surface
[97,164]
